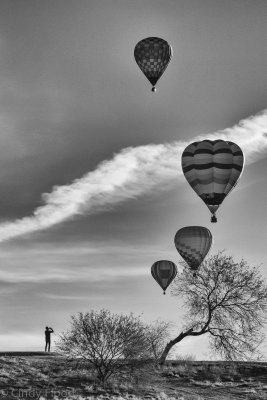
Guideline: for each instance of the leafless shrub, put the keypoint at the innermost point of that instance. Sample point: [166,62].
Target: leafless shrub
[108,342]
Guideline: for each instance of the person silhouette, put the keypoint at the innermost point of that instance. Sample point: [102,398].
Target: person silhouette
[48,331]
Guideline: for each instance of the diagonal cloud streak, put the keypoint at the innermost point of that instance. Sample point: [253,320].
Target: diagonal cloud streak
[129,174]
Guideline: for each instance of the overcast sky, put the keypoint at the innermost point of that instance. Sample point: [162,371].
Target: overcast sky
[92,191]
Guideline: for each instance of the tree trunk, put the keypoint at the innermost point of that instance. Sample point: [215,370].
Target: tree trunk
[165,352]
[182,335]
[172,343]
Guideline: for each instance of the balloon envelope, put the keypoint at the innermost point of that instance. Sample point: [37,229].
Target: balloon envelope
[212,169]
[164,272]
[153,56]
[193,244]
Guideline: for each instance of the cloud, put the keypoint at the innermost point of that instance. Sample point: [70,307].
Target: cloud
[129,174]
[75,263]
[81,273]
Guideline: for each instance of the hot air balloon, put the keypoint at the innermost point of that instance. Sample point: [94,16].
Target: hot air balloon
[164,272]
[153,56]
[212,168]
[193,244]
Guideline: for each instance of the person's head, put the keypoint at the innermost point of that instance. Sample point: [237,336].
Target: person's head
[46,328]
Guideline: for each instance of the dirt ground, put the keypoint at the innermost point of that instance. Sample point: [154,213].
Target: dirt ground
[42,376]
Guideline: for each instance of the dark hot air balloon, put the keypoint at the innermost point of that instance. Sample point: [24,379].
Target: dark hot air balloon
[153,56]
[212,169]
[193,244]
[164,272]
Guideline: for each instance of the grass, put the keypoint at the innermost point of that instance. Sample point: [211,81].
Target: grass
[49,377]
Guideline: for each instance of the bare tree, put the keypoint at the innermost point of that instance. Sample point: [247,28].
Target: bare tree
[105,340]
[227,301]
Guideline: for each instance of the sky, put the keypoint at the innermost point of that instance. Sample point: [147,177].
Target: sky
[92,190]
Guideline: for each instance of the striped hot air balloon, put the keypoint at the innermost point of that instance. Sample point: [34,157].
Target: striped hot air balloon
[164,272]
[193,244]
[153,56]
[212,169]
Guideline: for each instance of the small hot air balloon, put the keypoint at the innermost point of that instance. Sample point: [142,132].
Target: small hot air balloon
[153,56]
[212,168]
[164,272]
[193,244]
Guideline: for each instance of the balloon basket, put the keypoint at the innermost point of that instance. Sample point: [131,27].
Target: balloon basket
[213,219]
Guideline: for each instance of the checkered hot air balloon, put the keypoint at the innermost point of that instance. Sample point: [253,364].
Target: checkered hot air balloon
[153,56]
[164,272]
[212,169]
[193,244]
